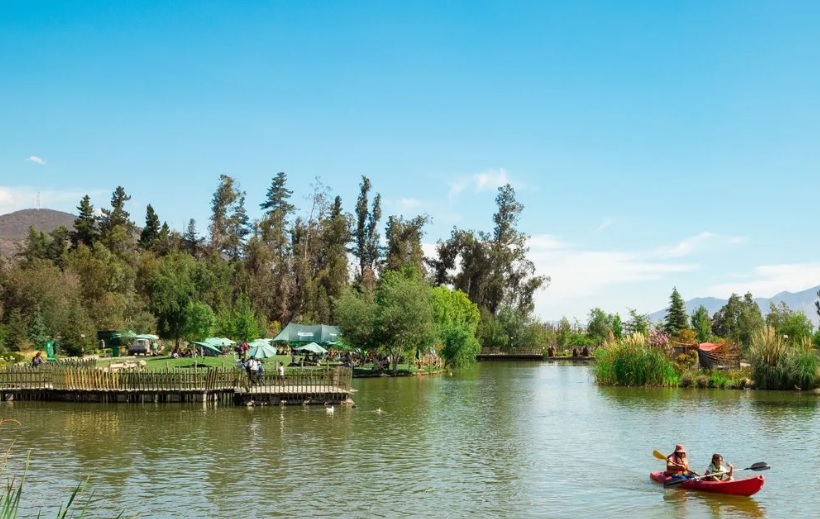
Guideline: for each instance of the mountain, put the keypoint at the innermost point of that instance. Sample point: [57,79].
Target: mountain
[14,226]
[803,301]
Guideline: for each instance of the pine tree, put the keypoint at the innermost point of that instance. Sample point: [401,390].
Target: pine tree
[151,230]
[676,318]
[85,225]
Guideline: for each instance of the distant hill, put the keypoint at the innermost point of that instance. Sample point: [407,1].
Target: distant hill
[803,300]
[14,226]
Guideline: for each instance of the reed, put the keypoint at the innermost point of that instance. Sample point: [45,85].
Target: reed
[630,362]
[777,364]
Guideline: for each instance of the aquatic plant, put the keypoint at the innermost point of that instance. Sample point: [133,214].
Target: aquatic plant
[630,362]
[777,364]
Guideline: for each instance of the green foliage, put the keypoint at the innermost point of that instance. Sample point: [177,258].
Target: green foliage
[637,323]
[241,322]
[779,364]
[599,326]
[199,321]
[366,233]
[791,324]
[563,333]
[460,345]
[676,318]
[630,362]
[738,320]
[702,324]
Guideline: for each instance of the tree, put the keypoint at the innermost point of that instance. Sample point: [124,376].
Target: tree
[366,236]
[222,204]
[456,319]
[599,325]
[85,225]
[738,319]
[494,269]
[793,324]
[676,318]
[199,321]
[151,230]
[116,229]
[637,323]
[404,243]
[191,242]
[356,315]
[404,315]
[173,289]
[617,326]
[702,324]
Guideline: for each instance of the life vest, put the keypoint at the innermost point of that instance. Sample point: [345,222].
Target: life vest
[675,469]
[719,468]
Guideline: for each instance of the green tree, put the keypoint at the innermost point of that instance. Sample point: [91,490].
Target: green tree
[702,324]
[85,225]
[563,333]
[199,321]
[404,315]
[404,243]
[173,289]
[793,324]
[151,230]
[617,326]
[599,326]
[456,319]
[366,236]
[676,318]
[738,320]
[116,228]
[37,331]
[494,269]
[222,203]
[356,315]
[637,323]
[191,242]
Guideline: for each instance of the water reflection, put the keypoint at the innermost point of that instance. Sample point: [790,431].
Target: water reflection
[503,439]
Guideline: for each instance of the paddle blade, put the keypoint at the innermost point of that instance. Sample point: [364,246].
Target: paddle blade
[659,455]
[760,465]
[674,482]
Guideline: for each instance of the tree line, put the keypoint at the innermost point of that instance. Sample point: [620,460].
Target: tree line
[246,278]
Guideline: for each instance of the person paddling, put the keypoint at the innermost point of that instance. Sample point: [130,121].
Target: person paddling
[717,471]
[677,464]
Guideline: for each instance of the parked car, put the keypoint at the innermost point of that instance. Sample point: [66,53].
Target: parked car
[140,347]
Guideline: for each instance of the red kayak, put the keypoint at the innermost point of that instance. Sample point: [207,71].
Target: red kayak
[736,487]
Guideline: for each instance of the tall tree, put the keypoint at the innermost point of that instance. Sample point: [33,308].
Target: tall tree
[676,318]
[116,228]
[738,320]
[637,323]
[404,243]
[792,324]
[191,242]
[702,324]
[366,236]
[494,268]
[599,325]
[222,203]
[151,230]
[85,225]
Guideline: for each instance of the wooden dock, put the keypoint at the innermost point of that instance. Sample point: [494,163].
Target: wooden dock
[528,354]
[87,383]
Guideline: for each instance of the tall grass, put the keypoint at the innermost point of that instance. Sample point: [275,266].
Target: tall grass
[776,364]
[630,362]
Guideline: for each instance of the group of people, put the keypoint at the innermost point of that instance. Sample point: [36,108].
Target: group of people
[255,370]
[677,465]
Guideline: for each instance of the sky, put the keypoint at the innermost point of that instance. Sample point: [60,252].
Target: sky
[654,145]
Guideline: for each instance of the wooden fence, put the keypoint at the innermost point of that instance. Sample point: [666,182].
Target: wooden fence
[85,378]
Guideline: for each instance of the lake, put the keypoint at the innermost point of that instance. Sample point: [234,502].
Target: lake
[504,439]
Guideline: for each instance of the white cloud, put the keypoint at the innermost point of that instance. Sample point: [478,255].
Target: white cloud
[37,160]
[692,244]
[406,204]
[606,223]
[768,280]
[484,181]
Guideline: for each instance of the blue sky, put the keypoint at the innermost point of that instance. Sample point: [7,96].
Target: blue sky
[653,144]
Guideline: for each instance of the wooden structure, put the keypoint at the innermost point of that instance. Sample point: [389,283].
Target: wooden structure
[87,383]
[517,353]
[719,356]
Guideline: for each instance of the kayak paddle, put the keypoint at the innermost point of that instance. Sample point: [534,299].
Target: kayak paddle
[760,465]
[659,455]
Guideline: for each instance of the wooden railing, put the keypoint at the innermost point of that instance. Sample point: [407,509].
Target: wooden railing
[82,378]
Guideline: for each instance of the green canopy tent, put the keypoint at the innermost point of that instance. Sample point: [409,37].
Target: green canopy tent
[305,333]
[208,350]
[261,349]
[147,336]
[312,347]
[219,342]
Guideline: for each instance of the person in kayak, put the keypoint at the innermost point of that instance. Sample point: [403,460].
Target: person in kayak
[718,466]
[677,465]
